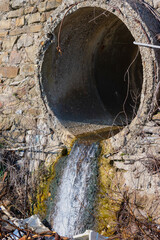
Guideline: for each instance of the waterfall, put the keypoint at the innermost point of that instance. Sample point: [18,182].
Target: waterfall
[73,212]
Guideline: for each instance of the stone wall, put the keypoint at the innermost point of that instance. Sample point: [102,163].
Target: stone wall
[24,121]
[29,128]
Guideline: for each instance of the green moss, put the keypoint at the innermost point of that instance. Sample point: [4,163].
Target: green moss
[1,145]
[54,184]
[109,199]
[43,193]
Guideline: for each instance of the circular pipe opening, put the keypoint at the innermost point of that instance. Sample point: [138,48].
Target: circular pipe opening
[98,78]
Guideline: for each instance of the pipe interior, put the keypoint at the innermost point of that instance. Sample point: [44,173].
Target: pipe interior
[93,81]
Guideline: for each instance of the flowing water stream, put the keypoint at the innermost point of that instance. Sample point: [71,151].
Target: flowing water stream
[73,211]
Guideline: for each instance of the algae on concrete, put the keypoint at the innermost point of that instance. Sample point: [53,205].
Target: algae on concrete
[109,198]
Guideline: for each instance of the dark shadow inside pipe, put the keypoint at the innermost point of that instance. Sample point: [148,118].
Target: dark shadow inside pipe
[98,78]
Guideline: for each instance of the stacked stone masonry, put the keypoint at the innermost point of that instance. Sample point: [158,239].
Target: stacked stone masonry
[22,113]
[24,121]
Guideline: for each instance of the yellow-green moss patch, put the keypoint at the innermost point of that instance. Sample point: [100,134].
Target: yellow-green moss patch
[45,178]
[108,199]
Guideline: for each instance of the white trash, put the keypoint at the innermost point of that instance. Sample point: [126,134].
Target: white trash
[35,224]
[89,235]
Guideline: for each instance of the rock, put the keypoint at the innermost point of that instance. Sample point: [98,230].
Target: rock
[33,1]
[15,57]
[1,105]
[5,123]
[4,5]
[25,41]
[156,3]
[16,134]
[31,52]
[152,130]
[33,112]
[4,57]
[52,5]
[19,112]
[9,72]
[15,13]
[20,22]
[3,33]
[1,45]
[34,18]
[41,6]
[156,116]
[9,42]
[27,70]
[43,17]
[18,3]
[5,24]
[28,10]
[35,28]
[28,123]
[17,31]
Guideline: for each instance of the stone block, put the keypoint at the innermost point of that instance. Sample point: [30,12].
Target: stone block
[25,41]
[9,72]
[28,123]
[3,33]
[33,93]
[4,57]
[156,116]
[33,112]
[15,13]
[5,124]
[17,119]
[28,10]
[18,136]
[15,57]
[52,5]
[5,24]
[33,1]
[1,105]
[16,31]
[8,111]
[48,14]
[35,28]
[34,18]
[43,17]
[20,22]
[156,3]
[9,42]
[27,70]
[4,5]
[31,52]
[21,92]
[26,29]
[18,3]
[41,7]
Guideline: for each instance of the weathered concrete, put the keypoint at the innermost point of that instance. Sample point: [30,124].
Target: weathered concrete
[88,82]
[98,77]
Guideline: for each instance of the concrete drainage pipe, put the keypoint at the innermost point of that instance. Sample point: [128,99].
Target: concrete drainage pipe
[101,78]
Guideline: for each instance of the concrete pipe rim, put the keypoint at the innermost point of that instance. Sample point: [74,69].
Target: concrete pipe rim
[51,40]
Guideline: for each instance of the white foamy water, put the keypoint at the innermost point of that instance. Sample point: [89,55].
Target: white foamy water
[72,199]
